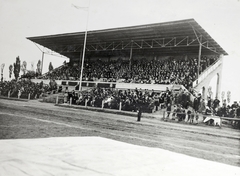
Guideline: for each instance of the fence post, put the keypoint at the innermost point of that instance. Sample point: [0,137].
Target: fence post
[70,103]
[102,104]
[29,96]
[19,94]
[0,92]
[120,106]
[57,100]
[85,102]
[9,94]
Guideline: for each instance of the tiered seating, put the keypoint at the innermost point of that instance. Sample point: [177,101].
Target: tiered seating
[168,70]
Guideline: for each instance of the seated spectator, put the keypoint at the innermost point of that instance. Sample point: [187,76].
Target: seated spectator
[168,70]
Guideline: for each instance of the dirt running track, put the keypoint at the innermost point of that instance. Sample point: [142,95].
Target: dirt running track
[38,120]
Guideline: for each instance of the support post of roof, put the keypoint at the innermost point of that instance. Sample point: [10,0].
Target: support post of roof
[199,38]
[199,56]
[80,60]
[130,59]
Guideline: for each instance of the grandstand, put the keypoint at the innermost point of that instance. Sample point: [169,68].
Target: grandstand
[177,54]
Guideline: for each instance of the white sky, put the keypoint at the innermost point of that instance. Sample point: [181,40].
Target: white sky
[27,18]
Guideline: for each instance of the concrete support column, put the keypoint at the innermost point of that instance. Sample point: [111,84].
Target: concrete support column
[219,79]
[218,87]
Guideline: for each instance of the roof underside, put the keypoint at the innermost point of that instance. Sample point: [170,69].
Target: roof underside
[164,39]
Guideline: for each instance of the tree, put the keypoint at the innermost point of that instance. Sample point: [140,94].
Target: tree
[32,66]
[228,96]
[2,67]
[24,67]
[50,67]
[16,70]
[10,71]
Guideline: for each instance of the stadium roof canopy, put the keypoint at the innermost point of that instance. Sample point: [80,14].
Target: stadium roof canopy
[169,38]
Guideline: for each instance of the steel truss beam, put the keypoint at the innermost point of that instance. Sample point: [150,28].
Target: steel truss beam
[48,51]
[173,42]
[134,44]
[205,43]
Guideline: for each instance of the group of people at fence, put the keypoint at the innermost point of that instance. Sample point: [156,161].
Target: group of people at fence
[128,100]
[25,88]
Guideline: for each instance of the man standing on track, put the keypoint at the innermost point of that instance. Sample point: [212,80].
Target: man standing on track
[139,114]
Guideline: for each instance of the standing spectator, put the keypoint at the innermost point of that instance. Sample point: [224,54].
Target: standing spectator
[66,95]
[196,104]
[139,113]
[215,104]
[189,112]
[174,112]
[209,103]
[197,117]
[156,103]
[202,106]
[169,109]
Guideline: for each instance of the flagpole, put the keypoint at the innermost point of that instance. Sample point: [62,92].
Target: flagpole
[84,49]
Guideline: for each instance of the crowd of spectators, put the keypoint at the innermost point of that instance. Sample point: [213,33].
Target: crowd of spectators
[214,107]
[184,108]
[23,87]
[180,107]
[64,72]
[131,100]
[223,110]
[168,70]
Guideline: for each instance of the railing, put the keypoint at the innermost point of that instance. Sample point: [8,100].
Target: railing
[209,70]
[19,95]
[105,104]
[117,85]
